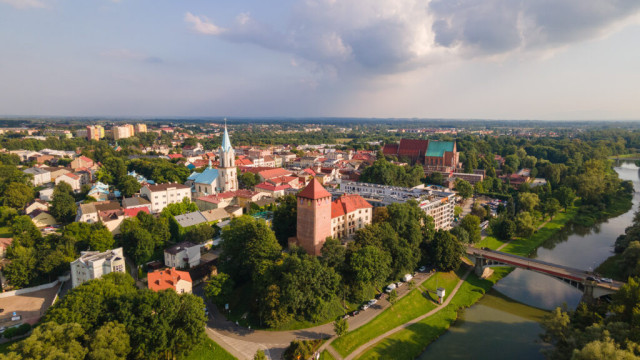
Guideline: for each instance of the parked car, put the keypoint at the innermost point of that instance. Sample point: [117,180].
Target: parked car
[407,277]
[379,296]
[591,278]
[49,228]
[606,280]
[422,269]
[355,312]
[364,307]
[399,283]
[346,316]
[372,302]
[2,329]
[390,287]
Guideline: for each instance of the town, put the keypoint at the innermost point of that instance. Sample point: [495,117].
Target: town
[353,231]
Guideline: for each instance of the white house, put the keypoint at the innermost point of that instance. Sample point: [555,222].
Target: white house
[161,195]
[93,264]
[40,176]
[72,179]
[182,255]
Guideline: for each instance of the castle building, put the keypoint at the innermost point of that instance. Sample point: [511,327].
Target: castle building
[320,218]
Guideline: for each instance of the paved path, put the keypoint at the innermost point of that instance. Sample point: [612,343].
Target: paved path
[369,344]
[243,343]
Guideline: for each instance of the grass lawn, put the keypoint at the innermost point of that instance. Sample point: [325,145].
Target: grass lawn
[5,232]
[525,246]
[208,349]
[490,242]
[410,342]
[325,355]
[409,307]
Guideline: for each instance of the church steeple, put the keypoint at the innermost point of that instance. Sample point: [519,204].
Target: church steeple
[226,142]
[227,169]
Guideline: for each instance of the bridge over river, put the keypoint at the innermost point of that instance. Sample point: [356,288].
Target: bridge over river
[591,286]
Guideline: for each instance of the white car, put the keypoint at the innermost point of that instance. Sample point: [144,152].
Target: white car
[389,288]
[606,280]
[372,302]
[364,307]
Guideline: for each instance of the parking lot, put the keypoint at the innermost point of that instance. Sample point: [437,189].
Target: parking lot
[31,306]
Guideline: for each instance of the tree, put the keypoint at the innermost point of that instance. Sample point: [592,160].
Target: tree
[285,219]
[471,224]
[183,207]
[478,211]
[248,179]
[299,349]
[21,270]
[340,326]
[368,265]
[463,188]
[604,349]
[63,204]
[457,210]
[528,201]
[551,207]
[503,228]
[333,253]
[138,244]
[17,195]
[566,196]
[52,341]
[129,186]
[219,288]
[110,341]
[525,224]
[247,248]
[260,355]
[200,234]
[435,178]
[446,251]
[100,238]
[24,231]
[393,297]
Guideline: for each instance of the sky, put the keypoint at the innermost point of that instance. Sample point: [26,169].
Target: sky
[457,59]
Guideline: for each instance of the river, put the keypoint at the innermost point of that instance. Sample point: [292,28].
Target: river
[504,324]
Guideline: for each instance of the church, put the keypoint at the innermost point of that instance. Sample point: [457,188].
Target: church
[214,181]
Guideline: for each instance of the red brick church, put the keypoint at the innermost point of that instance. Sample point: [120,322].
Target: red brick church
[426,152]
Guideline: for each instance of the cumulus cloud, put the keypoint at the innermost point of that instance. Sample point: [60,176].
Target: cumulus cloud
[202,25]
[24,4]
[387,36]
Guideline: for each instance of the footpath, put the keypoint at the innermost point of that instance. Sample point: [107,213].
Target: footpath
[379,338]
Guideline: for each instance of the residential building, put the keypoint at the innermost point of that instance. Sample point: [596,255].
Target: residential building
[195,150]
[182,255]
[42,218]
[140,128]
[271,189]
[93,132]
[437,202]
[136,202]
[81,162]
[122,132]
[56,171]
[93,264]
[72,179]
[46,194]
[90,213]
[190,219]
[349,213]
[161,195]
[36,204]
[41,176]
[176,280]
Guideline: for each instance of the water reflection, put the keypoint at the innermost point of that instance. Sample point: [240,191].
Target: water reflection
[494,329]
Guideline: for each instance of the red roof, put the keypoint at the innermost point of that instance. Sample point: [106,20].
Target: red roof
[216,198]
[134,211]
[274,173]
[243,161]
[166,279]
[407,147]
[310,171]
[86,159]
[270,187]
[347,204]
[336,209]
[314,191]
[175,156]
[72,175]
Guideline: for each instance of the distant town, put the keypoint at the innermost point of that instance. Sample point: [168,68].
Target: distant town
[338,237]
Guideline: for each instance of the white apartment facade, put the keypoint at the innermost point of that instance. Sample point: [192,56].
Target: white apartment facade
[93,264]
[182,255]
[161,195]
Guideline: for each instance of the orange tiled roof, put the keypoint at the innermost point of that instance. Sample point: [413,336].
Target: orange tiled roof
[166,279]
[314,191]
[347,204]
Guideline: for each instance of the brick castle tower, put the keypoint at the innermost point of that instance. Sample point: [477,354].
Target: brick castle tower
[314,217]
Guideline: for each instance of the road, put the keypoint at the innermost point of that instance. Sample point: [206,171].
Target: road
[243,343]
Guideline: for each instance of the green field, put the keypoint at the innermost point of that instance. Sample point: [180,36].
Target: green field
[490,242]
[416,303]
[325,355]
[5,232]
[208,349]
